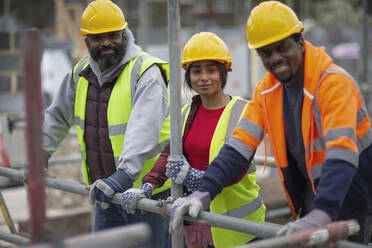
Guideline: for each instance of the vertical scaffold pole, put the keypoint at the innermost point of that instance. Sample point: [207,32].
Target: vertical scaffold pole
[174,26]
[32,54]
[364,43]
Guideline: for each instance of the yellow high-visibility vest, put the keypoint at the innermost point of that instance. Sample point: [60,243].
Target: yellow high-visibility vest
[241,200]
[118,112]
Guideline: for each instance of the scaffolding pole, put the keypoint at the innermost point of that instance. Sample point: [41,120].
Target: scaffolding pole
[123,237]
[174,26]
[259,160]
[7,217]
[32,53]
[322,235]
[14,238]
[265,230]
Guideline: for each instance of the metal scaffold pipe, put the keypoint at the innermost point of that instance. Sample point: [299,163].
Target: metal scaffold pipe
[123,237]
[236,224]
[317,236]
[174,26]
[265,230]
[32,53]
[14,239]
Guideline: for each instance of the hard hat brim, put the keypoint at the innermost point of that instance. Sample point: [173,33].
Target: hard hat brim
[299,28]
[85,32]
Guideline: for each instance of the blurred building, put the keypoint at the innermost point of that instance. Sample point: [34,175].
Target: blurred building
[148,20]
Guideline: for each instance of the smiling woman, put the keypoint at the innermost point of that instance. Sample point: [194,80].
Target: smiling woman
[207,124]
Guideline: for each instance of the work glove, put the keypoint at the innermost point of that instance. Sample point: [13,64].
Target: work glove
[182,173]
[130,198]
[103,190]
[197,235]
[192,204]
[316,218]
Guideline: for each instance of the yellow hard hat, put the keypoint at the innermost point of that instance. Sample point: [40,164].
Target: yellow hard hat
[102,16]
[205,46]
[269,22]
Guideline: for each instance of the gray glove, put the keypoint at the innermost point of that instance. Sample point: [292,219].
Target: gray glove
[103,190]
[131,197]
[316,218]
[192,204]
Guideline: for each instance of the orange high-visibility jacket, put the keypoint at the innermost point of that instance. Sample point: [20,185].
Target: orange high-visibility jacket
[335,122]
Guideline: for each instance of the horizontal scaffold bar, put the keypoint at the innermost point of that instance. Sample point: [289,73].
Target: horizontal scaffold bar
[265,230]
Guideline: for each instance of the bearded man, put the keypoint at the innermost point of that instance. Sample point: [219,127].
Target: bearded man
[117,99]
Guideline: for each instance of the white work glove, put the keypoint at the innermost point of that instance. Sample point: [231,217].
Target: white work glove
[131,197]
[316,218]
[181,172]
[192,205]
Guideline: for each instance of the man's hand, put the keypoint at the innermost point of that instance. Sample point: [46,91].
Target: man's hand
[181,172]
[316,218]
[192,204]
[103,190]
[131,197]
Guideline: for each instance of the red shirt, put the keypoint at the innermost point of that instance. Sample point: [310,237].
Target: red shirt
[157,174]
[198,140]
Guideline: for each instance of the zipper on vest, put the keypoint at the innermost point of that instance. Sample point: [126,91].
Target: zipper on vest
[98,116]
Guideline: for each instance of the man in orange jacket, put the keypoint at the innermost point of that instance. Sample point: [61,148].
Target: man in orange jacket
[315,117]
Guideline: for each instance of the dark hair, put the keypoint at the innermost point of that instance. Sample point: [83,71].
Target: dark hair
[220,67]
[296,37]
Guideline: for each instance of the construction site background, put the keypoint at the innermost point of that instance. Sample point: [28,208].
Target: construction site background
[346,37]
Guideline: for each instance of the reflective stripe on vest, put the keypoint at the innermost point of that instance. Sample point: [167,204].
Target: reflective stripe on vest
[337,152]
[119,111]
[241,200]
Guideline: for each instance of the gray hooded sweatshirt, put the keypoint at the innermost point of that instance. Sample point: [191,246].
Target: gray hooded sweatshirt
[149,110]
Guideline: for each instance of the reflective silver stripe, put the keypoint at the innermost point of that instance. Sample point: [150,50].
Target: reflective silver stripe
[247,209]
[236,111]
[317,118]
[362,113]
[184,113]
[242,148]
[117,161]
[158,148]
[79,122]
[364,141]
[316,171]
[343,154]
[308,94]
[252,167]
[117,129]
[79,68]
[318,145]
[135,73]
[271,89]
[251,128]
[83,155]
[336,133]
